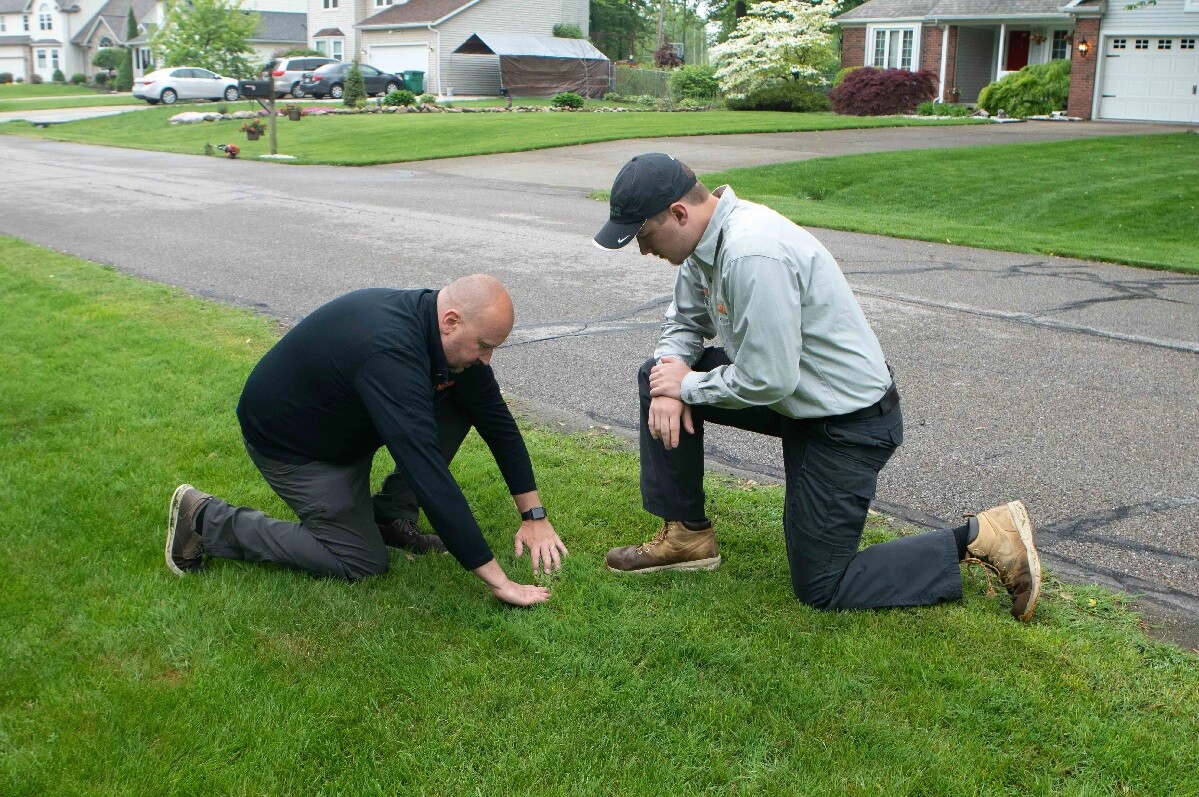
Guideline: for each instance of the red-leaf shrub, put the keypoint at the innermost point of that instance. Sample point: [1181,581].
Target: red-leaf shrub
[879,92]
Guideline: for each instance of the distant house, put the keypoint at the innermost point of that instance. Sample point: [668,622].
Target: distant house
[38,37]
[423,34]
[1139,64]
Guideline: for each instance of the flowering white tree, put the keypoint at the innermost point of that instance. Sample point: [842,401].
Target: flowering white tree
[774,41]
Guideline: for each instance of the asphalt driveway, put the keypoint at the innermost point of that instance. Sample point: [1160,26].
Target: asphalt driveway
[1066,383]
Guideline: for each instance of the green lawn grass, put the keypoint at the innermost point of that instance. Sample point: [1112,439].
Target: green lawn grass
[69,101]
[118,678]
[371,139]
[1128,199]
[24,91]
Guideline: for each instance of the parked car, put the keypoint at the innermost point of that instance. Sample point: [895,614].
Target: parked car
[288,71]
[331,79]
[184,83]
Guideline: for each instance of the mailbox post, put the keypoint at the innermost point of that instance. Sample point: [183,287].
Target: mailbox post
[263,90]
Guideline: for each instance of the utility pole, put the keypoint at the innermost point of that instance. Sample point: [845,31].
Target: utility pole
[661,23]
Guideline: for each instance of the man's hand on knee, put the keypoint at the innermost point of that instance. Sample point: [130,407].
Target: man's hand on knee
[666,416]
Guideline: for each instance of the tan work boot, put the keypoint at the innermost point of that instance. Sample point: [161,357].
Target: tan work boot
[674,547]
[185,546]
[1004,544]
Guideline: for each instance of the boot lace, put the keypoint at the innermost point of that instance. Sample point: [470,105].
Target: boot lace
[658,539]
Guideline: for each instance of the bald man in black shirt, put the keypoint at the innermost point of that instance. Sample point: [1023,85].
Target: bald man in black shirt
[408,370]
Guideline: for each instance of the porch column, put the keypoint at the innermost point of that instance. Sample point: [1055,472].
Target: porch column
[944,61]
[1082,69]
[1002,47]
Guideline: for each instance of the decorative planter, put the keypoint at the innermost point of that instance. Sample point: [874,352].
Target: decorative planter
[294,115]
[252,136]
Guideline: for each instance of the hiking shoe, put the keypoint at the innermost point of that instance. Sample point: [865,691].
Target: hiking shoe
[185,546]
[403,533]
[1004,544]
[674,547]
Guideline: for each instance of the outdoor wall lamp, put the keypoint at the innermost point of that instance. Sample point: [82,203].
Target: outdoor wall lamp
[1083,48]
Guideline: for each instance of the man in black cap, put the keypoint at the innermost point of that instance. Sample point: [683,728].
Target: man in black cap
[405,369]
[800,362]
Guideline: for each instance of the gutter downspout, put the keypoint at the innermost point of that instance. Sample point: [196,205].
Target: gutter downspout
[944,60]
[438,58]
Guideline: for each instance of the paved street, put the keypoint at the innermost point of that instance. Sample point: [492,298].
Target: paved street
[1068,384]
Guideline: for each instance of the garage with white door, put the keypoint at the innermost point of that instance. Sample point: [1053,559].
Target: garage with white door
[397,58]
[1150,78]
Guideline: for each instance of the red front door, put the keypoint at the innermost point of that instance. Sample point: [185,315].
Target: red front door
[1017,50]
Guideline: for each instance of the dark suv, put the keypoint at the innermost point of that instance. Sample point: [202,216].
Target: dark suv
[331,79]
[286,72]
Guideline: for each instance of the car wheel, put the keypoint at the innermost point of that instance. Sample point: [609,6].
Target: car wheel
[168,97]
[296,91]
[390,88]
[336,91]
[231,94]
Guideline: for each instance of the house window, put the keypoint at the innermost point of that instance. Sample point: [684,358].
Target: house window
[3,27]
[1119,44]
[330,47]
[54,60]
[1142,44]
[105,41]
[1061,45]
[1165,44]
[25,22]
[893,48]
[1186,44]
[330,3]
[41,59]
[381,3]
[147,57]
[44,20]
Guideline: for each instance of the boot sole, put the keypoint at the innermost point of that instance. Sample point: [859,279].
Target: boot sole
[172,523]
[1024,527]
[696,564]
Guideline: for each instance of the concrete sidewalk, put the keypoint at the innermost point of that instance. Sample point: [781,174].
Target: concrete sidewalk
[59,115]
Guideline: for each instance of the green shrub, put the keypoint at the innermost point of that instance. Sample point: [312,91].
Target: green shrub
[298,52]
[58,76]
[567,99]
[565,30]
[428,99]
[79,78]
[36,79]
[355,87]
[101,78]
[124,78]
[612,96]
[109,58]
[1034,90]
[222,108]
[695,83]
[647,100]
[880,92]
[841,74]
[931,108]
[5,77]
[400,97]
[794,96]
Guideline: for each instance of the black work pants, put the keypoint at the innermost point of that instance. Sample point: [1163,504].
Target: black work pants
[832,467]
[336,534]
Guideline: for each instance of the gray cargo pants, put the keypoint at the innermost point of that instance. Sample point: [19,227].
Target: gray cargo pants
[832,467]
[336,534]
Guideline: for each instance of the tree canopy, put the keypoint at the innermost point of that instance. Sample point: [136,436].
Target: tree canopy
[776,41]
[213,34]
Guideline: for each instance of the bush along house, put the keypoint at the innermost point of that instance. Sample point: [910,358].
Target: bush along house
[1129,60]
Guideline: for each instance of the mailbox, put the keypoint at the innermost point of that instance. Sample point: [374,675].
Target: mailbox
[263,87]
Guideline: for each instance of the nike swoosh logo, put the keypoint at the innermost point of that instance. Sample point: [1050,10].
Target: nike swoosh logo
[624,239]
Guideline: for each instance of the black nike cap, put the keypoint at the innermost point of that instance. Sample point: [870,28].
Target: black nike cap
[645,186]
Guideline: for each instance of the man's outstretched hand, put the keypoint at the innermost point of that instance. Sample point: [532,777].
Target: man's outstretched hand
[546,549]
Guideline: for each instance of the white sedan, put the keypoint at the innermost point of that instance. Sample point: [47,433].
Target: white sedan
[184,83]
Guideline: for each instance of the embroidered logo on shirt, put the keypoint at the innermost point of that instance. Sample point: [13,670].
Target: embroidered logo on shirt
[720,308]
[446,384]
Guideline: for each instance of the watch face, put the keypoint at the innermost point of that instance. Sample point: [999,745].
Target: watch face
[536,513]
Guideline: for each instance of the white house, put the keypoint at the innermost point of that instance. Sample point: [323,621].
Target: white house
[401,35]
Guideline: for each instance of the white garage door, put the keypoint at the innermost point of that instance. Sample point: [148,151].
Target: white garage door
[14,66]
[395,58]
[1153,78]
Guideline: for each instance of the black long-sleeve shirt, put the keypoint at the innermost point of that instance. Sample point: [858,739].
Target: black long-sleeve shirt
[361,372]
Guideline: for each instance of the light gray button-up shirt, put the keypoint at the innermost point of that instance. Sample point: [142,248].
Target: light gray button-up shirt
[779,304]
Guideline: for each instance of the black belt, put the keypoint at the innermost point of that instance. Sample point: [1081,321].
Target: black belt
[888,402]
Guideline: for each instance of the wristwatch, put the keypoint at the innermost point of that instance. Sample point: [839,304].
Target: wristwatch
[536,513]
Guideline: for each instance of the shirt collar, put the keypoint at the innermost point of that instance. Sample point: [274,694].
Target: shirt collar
[705,252]
[441,368]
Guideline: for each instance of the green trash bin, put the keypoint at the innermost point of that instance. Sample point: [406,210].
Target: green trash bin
[414,81]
